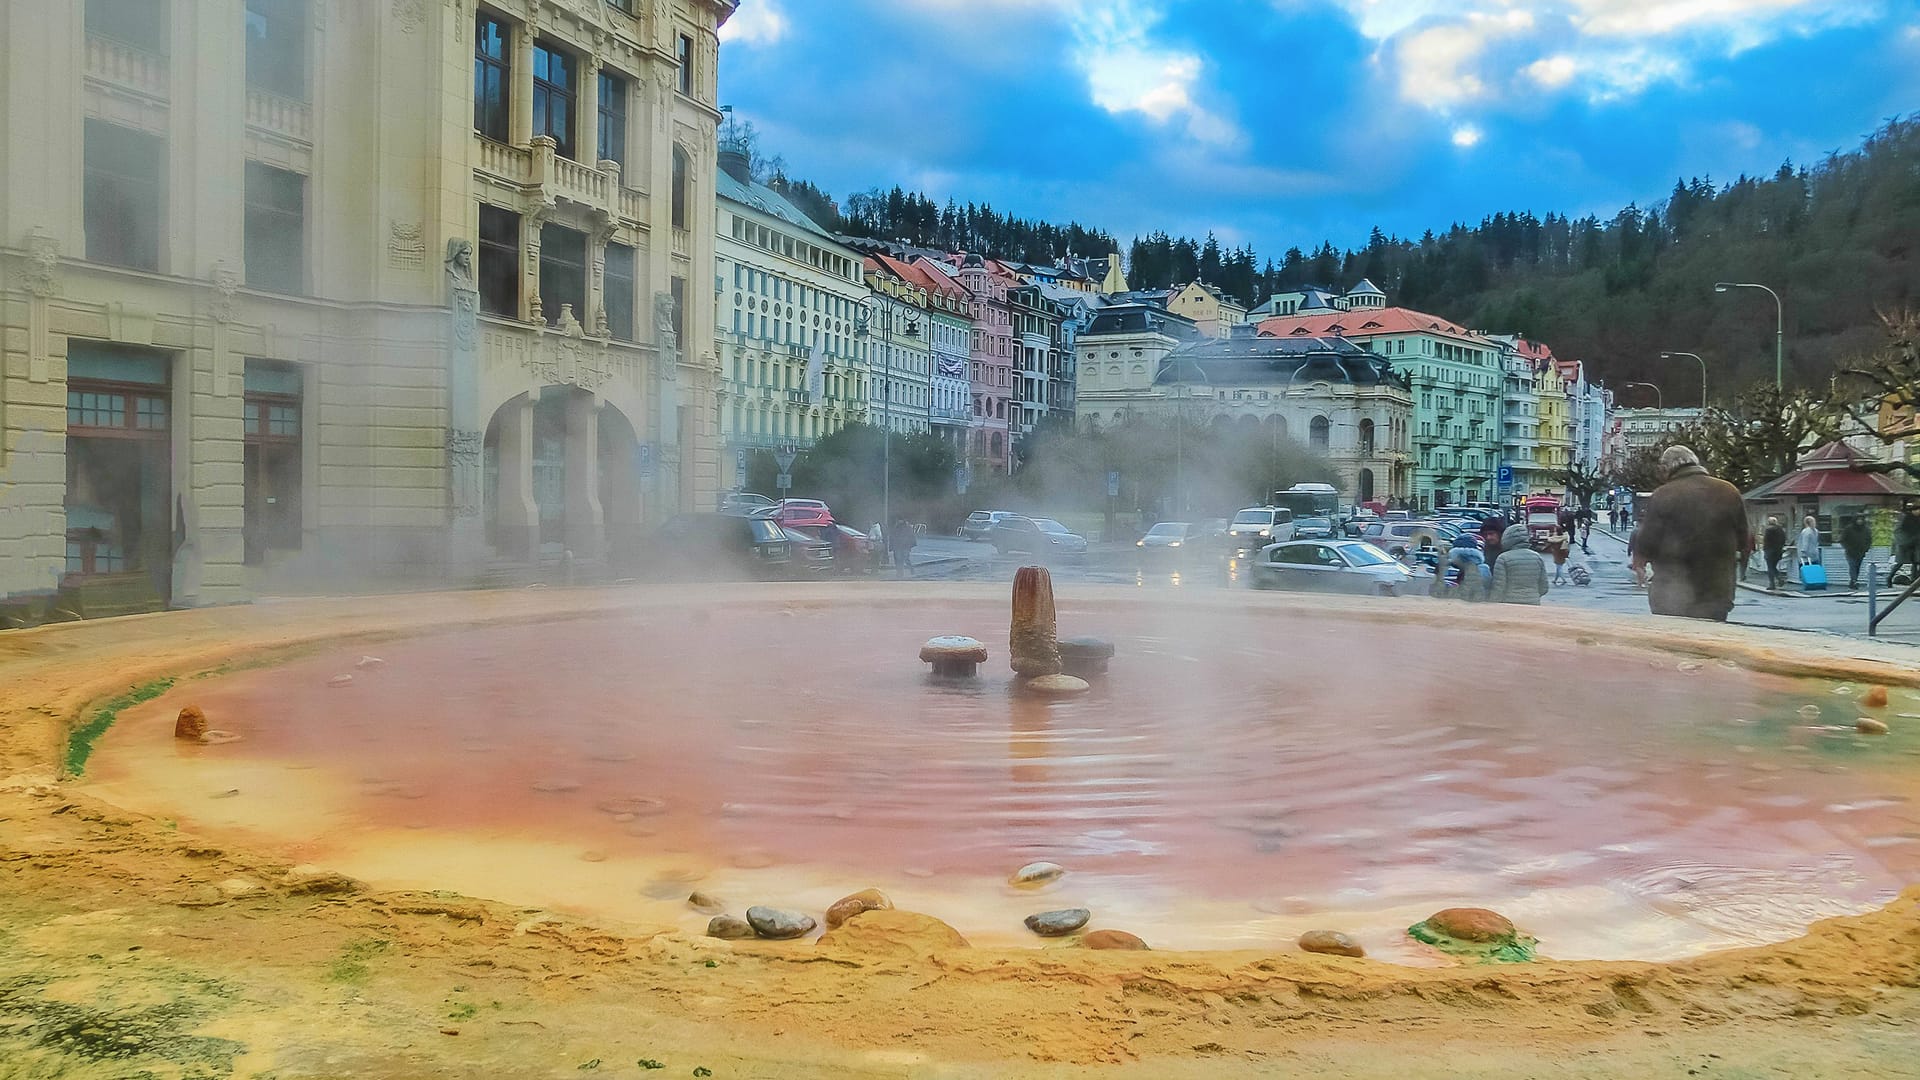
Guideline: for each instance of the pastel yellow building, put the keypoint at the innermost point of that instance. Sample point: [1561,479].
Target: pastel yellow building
[1556,425]
[1211,309]
[296,292]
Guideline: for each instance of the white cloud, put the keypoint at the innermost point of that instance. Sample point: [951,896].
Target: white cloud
[1448,55]
[1127,71]
[757,22]
[1467,136]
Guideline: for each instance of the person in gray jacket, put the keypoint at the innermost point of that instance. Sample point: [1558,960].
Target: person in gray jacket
[1520,577]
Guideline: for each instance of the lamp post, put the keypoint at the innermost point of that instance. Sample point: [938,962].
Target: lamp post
[1659,399]
[1779,326]
[1703,373]
[862,327]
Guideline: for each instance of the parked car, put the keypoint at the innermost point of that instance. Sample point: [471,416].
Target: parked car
[1170,539]
[1313,528]
[1035,536]
[1343,566]
[744,502]
[720,546]
[798,512]
[853,552]
[979,524]
[812,556]
[1257,526]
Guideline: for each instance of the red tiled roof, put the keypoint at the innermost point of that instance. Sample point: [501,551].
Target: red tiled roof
[1829,471]
[1365,323]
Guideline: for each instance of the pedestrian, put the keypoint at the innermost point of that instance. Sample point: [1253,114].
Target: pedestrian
[1774,544]
[1561,545]
[1491,530]
[903,541]
[877,549]
[1906,544]
[1466,556]
[1807,544]
[1585,520]
[1520,577]
[1856,539]
[1691,530]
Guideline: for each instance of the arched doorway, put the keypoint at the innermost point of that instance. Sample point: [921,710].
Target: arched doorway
[560,476]
[1366,437]
[1366,485]
[1276,425]
[1249,422]
[1320,432]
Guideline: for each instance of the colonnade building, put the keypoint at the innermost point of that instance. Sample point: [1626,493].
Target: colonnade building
[294,292]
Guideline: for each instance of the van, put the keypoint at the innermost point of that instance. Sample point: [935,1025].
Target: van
[1257,526]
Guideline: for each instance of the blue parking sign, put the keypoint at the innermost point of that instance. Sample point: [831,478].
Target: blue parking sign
[1505,477]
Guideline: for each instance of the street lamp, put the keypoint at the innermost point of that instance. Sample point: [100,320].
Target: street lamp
[1659,399]
[862,328]
[1703,373]
[1779,325]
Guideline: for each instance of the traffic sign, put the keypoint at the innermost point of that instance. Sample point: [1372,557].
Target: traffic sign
[1113,485]
[645,459]
[1505,478]
[962,476]
[784,456]
[783,481]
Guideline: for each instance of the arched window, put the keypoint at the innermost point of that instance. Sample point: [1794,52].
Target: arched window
[682,196]
[1366,436]
[1319,433]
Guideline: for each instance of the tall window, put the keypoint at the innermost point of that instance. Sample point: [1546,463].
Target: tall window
[554,91]
[684,45]
[490,76]
[272,440]
[123,195]
[498,271]
[563,272]
[620,292]
[276,227]
[1319,432]
[613,119]
[139,23]
[680,193]
[277,47]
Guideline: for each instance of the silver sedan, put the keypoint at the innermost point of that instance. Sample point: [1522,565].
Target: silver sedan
[1342,566]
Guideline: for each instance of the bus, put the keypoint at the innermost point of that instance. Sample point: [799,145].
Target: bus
[1309,500]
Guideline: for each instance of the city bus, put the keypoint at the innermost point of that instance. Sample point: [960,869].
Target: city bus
[1309,500]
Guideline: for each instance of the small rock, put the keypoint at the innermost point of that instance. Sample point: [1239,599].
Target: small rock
[1058,923]
[731,927]
[628,807]
[593,856]
[227,794]
[1471,924]
[848,906]
[370,663]
[1867,725]
[1113,939]
[1037,873]
[202,896]
[191,724]
[893,933]
[1330,942]
[239,886]
[340,680]
[311,880]
[705,904]
[1056,686]
[1875,697]
[777,924]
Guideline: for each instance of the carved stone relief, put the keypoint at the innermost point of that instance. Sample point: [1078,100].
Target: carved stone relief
[43,263]
[409,14]
[406,245]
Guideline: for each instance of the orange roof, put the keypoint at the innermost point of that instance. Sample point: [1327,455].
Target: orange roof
[934,280]
[1365,323]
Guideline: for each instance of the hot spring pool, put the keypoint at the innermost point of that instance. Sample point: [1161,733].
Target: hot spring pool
[1240,777]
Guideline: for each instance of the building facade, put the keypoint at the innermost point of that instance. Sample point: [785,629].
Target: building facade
[1120,353]
[788,296]
[1642,429]
[348,290]
[1036,350]
[894,324]
[990,362]
[1210,308]
[948,328]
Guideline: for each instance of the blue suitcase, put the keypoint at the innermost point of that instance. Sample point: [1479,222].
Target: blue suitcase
[1813,577]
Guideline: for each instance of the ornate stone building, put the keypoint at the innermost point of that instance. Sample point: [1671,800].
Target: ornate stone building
[297,292]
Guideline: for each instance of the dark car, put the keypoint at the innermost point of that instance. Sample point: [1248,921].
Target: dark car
[1313,528]
[812,556]
[719,546]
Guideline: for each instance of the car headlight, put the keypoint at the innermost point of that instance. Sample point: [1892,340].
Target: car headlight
[1139,543]
[1176,543]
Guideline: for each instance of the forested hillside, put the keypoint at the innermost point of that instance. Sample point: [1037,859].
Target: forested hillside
[1836,239]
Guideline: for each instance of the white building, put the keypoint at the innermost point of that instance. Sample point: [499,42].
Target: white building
[900,355]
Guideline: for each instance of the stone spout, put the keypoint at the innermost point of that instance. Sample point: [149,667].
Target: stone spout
[1033,641]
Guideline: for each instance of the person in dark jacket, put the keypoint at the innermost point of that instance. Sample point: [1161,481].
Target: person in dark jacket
[1692,531]
[1906,542]
[1773,542]
[1491,529]
[1856,539]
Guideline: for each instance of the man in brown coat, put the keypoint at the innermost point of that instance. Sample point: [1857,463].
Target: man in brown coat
[1694,531]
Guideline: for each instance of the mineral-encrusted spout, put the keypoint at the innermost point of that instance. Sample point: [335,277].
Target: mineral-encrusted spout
[1032,641]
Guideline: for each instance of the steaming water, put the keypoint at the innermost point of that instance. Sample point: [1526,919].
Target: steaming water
[1240,778]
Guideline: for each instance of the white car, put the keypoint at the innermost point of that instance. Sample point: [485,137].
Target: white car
[1341,566]
[1256,527]
[979,524]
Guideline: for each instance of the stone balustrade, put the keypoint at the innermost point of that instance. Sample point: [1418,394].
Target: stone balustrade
[126,67]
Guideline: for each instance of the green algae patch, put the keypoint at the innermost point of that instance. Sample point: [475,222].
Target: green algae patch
[1510,949]
[80,742]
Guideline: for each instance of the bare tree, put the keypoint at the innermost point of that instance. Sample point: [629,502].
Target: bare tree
[1889,377]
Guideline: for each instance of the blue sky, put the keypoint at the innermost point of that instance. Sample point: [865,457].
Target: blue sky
[1280,122]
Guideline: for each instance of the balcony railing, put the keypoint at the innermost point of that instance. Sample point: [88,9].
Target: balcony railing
[513,164]
[282,116]
[124,66]
[578,182]
[682,242]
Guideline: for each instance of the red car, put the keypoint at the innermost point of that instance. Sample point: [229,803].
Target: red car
[853,553]
[799,513]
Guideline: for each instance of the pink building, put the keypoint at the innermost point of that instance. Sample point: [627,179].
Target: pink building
[991,375]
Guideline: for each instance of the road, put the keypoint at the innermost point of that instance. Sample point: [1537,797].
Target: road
[1612,590]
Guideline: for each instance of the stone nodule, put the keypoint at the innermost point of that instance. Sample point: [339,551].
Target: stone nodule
[192,725]
[1035,650]
[1085,656]
[954,656]
[1055,686]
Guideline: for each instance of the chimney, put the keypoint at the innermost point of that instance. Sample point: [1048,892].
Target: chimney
[735,163]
